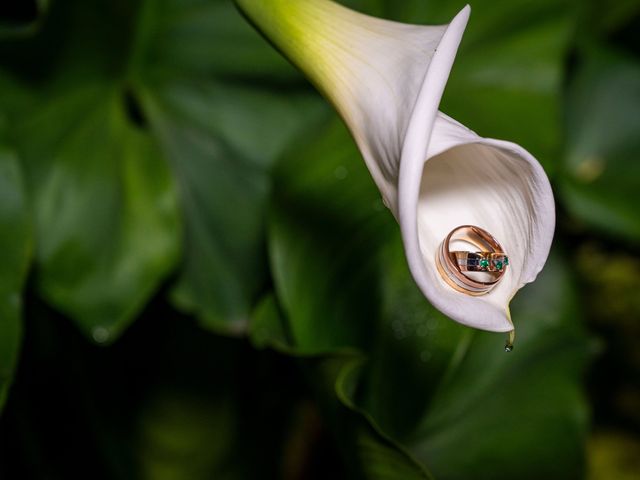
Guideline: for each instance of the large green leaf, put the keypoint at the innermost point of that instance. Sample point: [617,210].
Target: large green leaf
[601,174]
[450,395]
[105,212]
[327,217]
[370,453]
[221,140]
[132,88]
[107,228]
[15,245]
[465,407]
[204,38]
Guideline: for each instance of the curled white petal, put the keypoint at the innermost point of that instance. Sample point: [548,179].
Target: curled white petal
[496,185]
[386,80]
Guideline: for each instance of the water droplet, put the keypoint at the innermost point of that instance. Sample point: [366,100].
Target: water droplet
[422,331]
[341,172]
[100,334]
[510,339]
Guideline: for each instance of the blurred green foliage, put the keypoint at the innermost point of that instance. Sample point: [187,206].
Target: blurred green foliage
[216,290]
[15,243]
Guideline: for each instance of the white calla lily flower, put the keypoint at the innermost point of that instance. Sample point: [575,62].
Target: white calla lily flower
[386,80]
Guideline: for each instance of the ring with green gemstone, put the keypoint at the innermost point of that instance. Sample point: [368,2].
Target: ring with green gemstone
[480,261]
[477,270]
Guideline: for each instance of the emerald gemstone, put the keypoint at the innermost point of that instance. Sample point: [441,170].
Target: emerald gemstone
[484,263]
[506,260]
[498,264]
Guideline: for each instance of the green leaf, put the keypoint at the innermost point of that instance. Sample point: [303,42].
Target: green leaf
[105,208]
[333,377]
[150,84]
[413,347]
[205,38]
[220,141]
[77,43]
[601,177]
[268,328]
[326,219]
[15,245]
[484,412]
[371,454]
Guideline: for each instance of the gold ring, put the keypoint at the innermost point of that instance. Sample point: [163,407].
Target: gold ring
[454,266]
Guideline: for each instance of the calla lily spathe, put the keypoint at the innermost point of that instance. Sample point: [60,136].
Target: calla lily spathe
[386,80]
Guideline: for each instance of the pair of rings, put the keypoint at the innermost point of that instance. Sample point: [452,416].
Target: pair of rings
[471,272]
